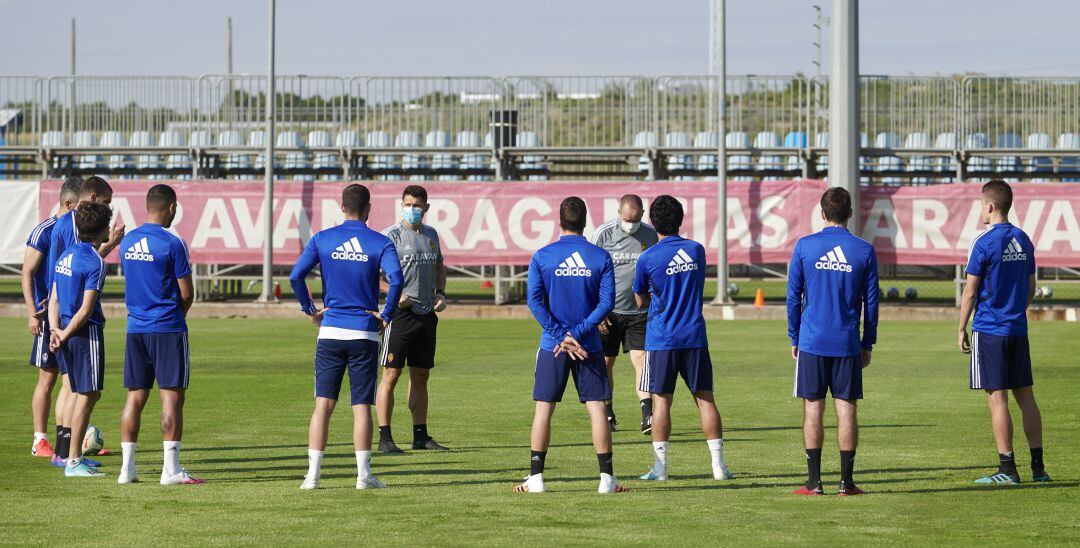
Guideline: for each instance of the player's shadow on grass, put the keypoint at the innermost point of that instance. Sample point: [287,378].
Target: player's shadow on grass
[326,466]
[799,427]
[301,448]
[990,488]
[861,472]
[735,485]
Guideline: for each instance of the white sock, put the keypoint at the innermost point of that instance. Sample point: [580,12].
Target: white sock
[363,464]
[660,453]
[314,464]
[127,448]
[172,457]
[38,436]
[716,448]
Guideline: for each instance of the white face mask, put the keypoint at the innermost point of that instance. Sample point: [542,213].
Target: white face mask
[629,227]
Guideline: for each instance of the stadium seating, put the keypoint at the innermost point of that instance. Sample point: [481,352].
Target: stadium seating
[115,139]
[978,164]
[86,139]
[768,139]
[644,139]
[918,163]
[257,139]
[739,140]
[294,160]
[678,139]
[794,139]
[174,139]
[471,139]
[410,139]
[323,160]
[707,162]
[1009,163]
[531,139]
[145,139]
[381,139]
[888,140]
[233,138]
[1069,141]
[1039,164]
[821,140]
[440,139]
[946,141]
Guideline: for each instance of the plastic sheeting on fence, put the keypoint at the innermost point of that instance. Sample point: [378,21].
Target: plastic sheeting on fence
[18,216]
[493,223]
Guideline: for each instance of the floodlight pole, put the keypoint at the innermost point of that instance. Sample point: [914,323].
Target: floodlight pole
[719,9]
[844,103]
[268,194]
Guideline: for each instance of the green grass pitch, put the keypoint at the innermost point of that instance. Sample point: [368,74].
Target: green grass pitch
[924,438]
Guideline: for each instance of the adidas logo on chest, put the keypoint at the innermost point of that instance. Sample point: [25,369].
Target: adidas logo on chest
[1013,252]
[63,266]
[349,251]
[574,265]
[833,260]
[139,252]
[681,262]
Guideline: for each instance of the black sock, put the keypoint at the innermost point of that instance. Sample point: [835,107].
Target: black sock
[384,433]
[1037,459]
[847,467]
[609,409]
[59,432]
[419,432]
[65,443]
[1007,463]
[646,408]
[605,463]
[813,468]
[536,462]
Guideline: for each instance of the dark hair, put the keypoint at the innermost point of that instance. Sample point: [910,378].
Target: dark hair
[355,199]
[999,193]
[666,215]
[91,219]
[95,185]
[416,191]
[572,214]
[71,188]
[632,199]
[836,205]
[160,197]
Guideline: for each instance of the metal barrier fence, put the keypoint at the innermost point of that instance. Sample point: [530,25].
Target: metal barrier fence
[917,129]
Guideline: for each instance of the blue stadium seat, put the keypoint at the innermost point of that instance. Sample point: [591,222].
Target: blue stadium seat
[891,141]
[320,138]
[1070,142]
[1009,163]
[739,140]
[115,139]
[821,140]
[233,138]
[471,139]
[978,164]
[381,139]
[174,139]
[406,139]
[918,163]
[86,139]
[768,139]
[644,139]
[945,142]
[53,139]
[440,139]
[794,139]
[1039,164]
[678,139]
[707,162]
[531,139]
[294,160]
[144,139]
[257,139]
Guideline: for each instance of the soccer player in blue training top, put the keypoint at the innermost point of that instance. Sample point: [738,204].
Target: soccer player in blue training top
[832,279]
[571,289]
[158,292]
[77,325]
[35,288]
[625,238]
[64,235]
[670,279]
[350,256]
[999,286]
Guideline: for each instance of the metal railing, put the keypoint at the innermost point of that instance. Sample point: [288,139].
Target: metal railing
[916,129]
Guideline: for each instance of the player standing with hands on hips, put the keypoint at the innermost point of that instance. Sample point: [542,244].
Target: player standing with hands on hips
[626,238]
[350,257]
[832,279]
[410,339]
[571,289]
[999,287]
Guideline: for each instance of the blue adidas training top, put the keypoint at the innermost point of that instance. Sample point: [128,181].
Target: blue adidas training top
[350,256]
[673,271]
[832,278]
[571,290]
[1004,259]
[153,260]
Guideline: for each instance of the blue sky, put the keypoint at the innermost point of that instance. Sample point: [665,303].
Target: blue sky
[501,37]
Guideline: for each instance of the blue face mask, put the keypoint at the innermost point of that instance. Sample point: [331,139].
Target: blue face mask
[412,215]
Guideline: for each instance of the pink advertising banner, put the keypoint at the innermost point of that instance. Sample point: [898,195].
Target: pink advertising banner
[504,223]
